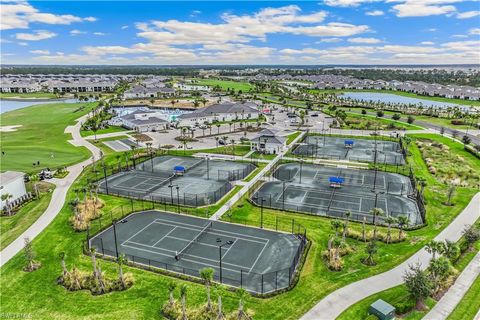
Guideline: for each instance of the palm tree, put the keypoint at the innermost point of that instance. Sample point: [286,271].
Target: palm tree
[218,128]
[35,180]
[402,222]
[232,141]
[121,260]
[371,249]
[376,212]
[216,141]
[451,250]
[390,220]
[220,291]
[171,288]
[434,247]
[183,294]
[242,297]
[335,225]
[62,262]
[207,275]
[345,225]
[6,197]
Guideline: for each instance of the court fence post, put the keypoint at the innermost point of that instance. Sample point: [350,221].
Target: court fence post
[276,279]
[241,278]
[262,283]
[101,244]
[131,203]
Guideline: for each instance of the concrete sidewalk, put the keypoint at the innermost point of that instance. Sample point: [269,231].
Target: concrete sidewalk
[340,300]
[58,196]
[455,293]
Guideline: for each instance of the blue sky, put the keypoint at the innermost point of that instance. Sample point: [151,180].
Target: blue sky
[234,32]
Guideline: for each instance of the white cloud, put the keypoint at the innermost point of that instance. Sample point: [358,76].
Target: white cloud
[423,8]
[375,13]
[346,3]
[18,15]
[474,31]
[195,13]
[23,44]
[76,32]
[99,34]
[467,14]
[364,40]
[90,19]
[44,52]
[459,36]
[329,40]
[36,36]
[124,27]
[427,43]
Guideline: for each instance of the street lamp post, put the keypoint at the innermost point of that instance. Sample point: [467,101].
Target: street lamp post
[262,200]
[229,242]
[114,223]
[178,199]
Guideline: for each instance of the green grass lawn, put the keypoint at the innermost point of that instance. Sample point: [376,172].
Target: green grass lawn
[12,227]
[224,84]
[399,294]
[110,129]
[37,293]
[292,137]
[401,93]
[444,122]
[41,137]
[469,305]
[240,150]
[259,155]
[32,95]
[367,122]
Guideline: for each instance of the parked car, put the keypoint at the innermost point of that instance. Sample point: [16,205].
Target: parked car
[221,142]
[291,115]
[314,114]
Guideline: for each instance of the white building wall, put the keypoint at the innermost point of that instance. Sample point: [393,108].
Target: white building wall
[14,187]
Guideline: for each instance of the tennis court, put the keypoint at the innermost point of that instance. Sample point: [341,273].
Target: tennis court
[309,188]
[364,150]
[258,260]
[177,180]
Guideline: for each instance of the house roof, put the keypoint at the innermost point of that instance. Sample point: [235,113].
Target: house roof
[239,108]
[9,176]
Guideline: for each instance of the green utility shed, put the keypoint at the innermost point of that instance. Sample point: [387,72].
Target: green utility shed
[383,310]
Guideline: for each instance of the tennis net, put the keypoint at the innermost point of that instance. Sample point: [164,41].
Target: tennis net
[179,254]
[196,164]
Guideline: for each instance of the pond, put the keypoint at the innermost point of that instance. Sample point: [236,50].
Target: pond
[396,99]
[10,105]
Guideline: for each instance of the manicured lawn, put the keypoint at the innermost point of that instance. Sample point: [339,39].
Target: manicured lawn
[12,227]
[258,155]
[37,293]
[367,122]
[240,150]
[469,305]
[401,93]
[224,84]
[252,174]
[42,95]
[399,294]
[292,137]
[444,122]
[110,129]
[41,137]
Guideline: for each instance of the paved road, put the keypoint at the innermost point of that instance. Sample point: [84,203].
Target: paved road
[455,294]
[58,196]
[340,300]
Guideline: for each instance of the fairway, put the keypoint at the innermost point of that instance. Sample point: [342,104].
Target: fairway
[41,137]
[224,84]
[307,188]
[258,260]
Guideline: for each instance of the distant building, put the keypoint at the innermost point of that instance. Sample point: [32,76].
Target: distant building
[138,91]
[143,121]
[219,112]
[268,141]
[12,183]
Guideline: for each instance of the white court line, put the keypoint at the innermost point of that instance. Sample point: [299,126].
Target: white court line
[360,205]
[148,225]
[198,242]
[164,236]
[237,235]
[258,257]
[228,249]
[186,254]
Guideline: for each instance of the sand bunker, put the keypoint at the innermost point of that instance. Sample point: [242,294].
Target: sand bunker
[10,128]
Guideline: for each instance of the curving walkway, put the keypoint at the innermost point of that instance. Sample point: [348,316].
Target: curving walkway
[340,300]
[455,293]
[58,196]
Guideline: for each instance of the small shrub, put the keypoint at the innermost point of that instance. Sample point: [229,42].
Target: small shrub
[457,122]
[410,119]
[364,111]
[380,113]
[404,306]
[396,116]
[371,317]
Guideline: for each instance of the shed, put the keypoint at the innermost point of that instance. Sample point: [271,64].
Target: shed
[382,309]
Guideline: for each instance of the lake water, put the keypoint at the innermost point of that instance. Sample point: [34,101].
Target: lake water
[9,105]
[393,98]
